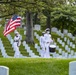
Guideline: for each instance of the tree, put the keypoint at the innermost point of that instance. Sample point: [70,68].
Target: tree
[64,16]
[49,5]
[28,7]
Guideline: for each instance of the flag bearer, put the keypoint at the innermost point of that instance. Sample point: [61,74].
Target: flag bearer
[16,44]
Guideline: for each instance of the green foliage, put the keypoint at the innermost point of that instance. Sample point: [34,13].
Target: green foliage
[64,16]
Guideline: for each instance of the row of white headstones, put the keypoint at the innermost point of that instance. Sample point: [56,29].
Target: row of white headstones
[54,29]
[27,48]
[38,48]
[72,69]
[62,35]
[3,51]
[69,43]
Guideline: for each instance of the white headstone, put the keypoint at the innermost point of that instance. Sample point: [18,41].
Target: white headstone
[54,54]
[75,53]
[66,55]
[72,52]
[69,56]
[38,48]
[24,32]
[35,33]
[15,31]
[23,18]
[57,47]
[72,68]
[63,44]
[23,43]
[60,51]
[63,53]
[59,32]
[73,46]
[70,35]
[37,27]
[62,35]
[11,41]
[4,70]
[58,39]
[24,28]
[69,50]
[73,38]
[57,55]
[65,39]
[36,45]
[65,31]
[68,41]
[54,29]
[66,47]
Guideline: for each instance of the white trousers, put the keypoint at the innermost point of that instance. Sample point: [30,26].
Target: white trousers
[47,53]
[43,51]
[16,48]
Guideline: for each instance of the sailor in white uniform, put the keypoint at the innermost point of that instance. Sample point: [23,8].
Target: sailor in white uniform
[48,41]
[42,44]
[16,44]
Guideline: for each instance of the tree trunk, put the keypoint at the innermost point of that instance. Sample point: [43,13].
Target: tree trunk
[47,13]
[48,22]
[36,19]
[29,28]
[62,26]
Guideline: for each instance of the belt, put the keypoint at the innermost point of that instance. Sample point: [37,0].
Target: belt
[15,41]
[47,42]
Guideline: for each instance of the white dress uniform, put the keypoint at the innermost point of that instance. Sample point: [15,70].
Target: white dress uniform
[42,44]
[16,46]
[48,41]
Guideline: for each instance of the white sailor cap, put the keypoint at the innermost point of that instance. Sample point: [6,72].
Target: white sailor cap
[16,33]
[47,29]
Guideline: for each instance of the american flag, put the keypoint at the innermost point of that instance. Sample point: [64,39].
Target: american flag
[12,24]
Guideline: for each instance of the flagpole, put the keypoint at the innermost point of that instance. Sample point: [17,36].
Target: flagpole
[19,28]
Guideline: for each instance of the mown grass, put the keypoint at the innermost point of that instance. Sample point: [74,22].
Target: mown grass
[37,66]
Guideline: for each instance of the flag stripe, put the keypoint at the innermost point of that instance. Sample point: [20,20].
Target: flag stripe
[13,28]
[17,20]
[16,24]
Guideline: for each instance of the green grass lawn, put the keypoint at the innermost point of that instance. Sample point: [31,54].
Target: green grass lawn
[36,66]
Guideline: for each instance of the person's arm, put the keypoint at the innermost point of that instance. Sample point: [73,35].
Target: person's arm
[19,41]
[40,41]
